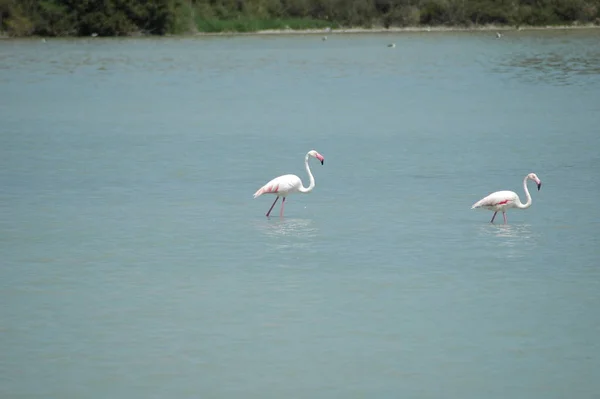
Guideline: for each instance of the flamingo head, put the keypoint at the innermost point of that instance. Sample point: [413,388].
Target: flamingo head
[315,154]
[533,176]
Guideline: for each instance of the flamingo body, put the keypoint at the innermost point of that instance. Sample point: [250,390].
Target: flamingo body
[282,186]
[285,185]
[498,201]
[501,201]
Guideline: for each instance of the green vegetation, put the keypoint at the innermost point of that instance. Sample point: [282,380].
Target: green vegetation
[159,17]
[253,24]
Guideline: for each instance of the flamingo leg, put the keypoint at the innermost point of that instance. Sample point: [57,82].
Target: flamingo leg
[271,208]
[282,205]
[493,217]
[504,214]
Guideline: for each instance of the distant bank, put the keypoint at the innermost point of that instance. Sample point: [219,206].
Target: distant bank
[491,28]
[342,31]
[68,18]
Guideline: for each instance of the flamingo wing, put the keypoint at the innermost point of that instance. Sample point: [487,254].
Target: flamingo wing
[281,185]
[495,199]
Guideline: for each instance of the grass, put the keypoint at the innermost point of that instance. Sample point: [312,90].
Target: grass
[250,24]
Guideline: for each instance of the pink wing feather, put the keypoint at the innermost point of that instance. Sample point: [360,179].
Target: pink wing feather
[270,187]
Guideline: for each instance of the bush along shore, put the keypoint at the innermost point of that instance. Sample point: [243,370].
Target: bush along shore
[160,17]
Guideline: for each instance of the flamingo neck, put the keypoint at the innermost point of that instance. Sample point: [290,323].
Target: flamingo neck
[529,201]
[311,185]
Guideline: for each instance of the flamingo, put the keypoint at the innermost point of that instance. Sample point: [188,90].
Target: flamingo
[285,185]
[501,201]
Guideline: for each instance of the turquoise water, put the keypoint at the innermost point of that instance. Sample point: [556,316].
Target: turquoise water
[136,264]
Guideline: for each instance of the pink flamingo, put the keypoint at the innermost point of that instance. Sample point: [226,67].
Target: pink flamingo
[501,201]
[285,185]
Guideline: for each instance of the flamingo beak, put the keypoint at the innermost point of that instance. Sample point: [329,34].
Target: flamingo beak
[320,158]
[539,185]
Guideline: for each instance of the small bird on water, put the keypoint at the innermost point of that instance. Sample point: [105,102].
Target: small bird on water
[392,45]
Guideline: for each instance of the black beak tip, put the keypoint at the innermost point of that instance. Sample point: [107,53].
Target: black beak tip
[322,162]
[539,186]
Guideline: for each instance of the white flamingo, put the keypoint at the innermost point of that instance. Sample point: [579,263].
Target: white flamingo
[285,185]
[501,201]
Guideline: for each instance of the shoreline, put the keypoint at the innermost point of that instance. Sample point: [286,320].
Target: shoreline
[339,31]
[408,29]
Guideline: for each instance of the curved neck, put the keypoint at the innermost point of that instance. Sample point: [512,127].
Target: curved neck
[311,185]
[528,203]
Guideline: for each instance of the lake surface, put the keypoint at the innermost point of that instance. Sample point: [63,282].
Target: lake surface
[136,264]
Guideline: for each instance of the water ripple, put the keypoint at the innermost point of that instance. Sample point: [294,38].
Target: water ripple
[519,239]
[293,228]
[575,64]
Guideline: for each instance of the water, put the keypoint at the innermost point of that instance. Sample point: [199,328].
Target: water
[135,263]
